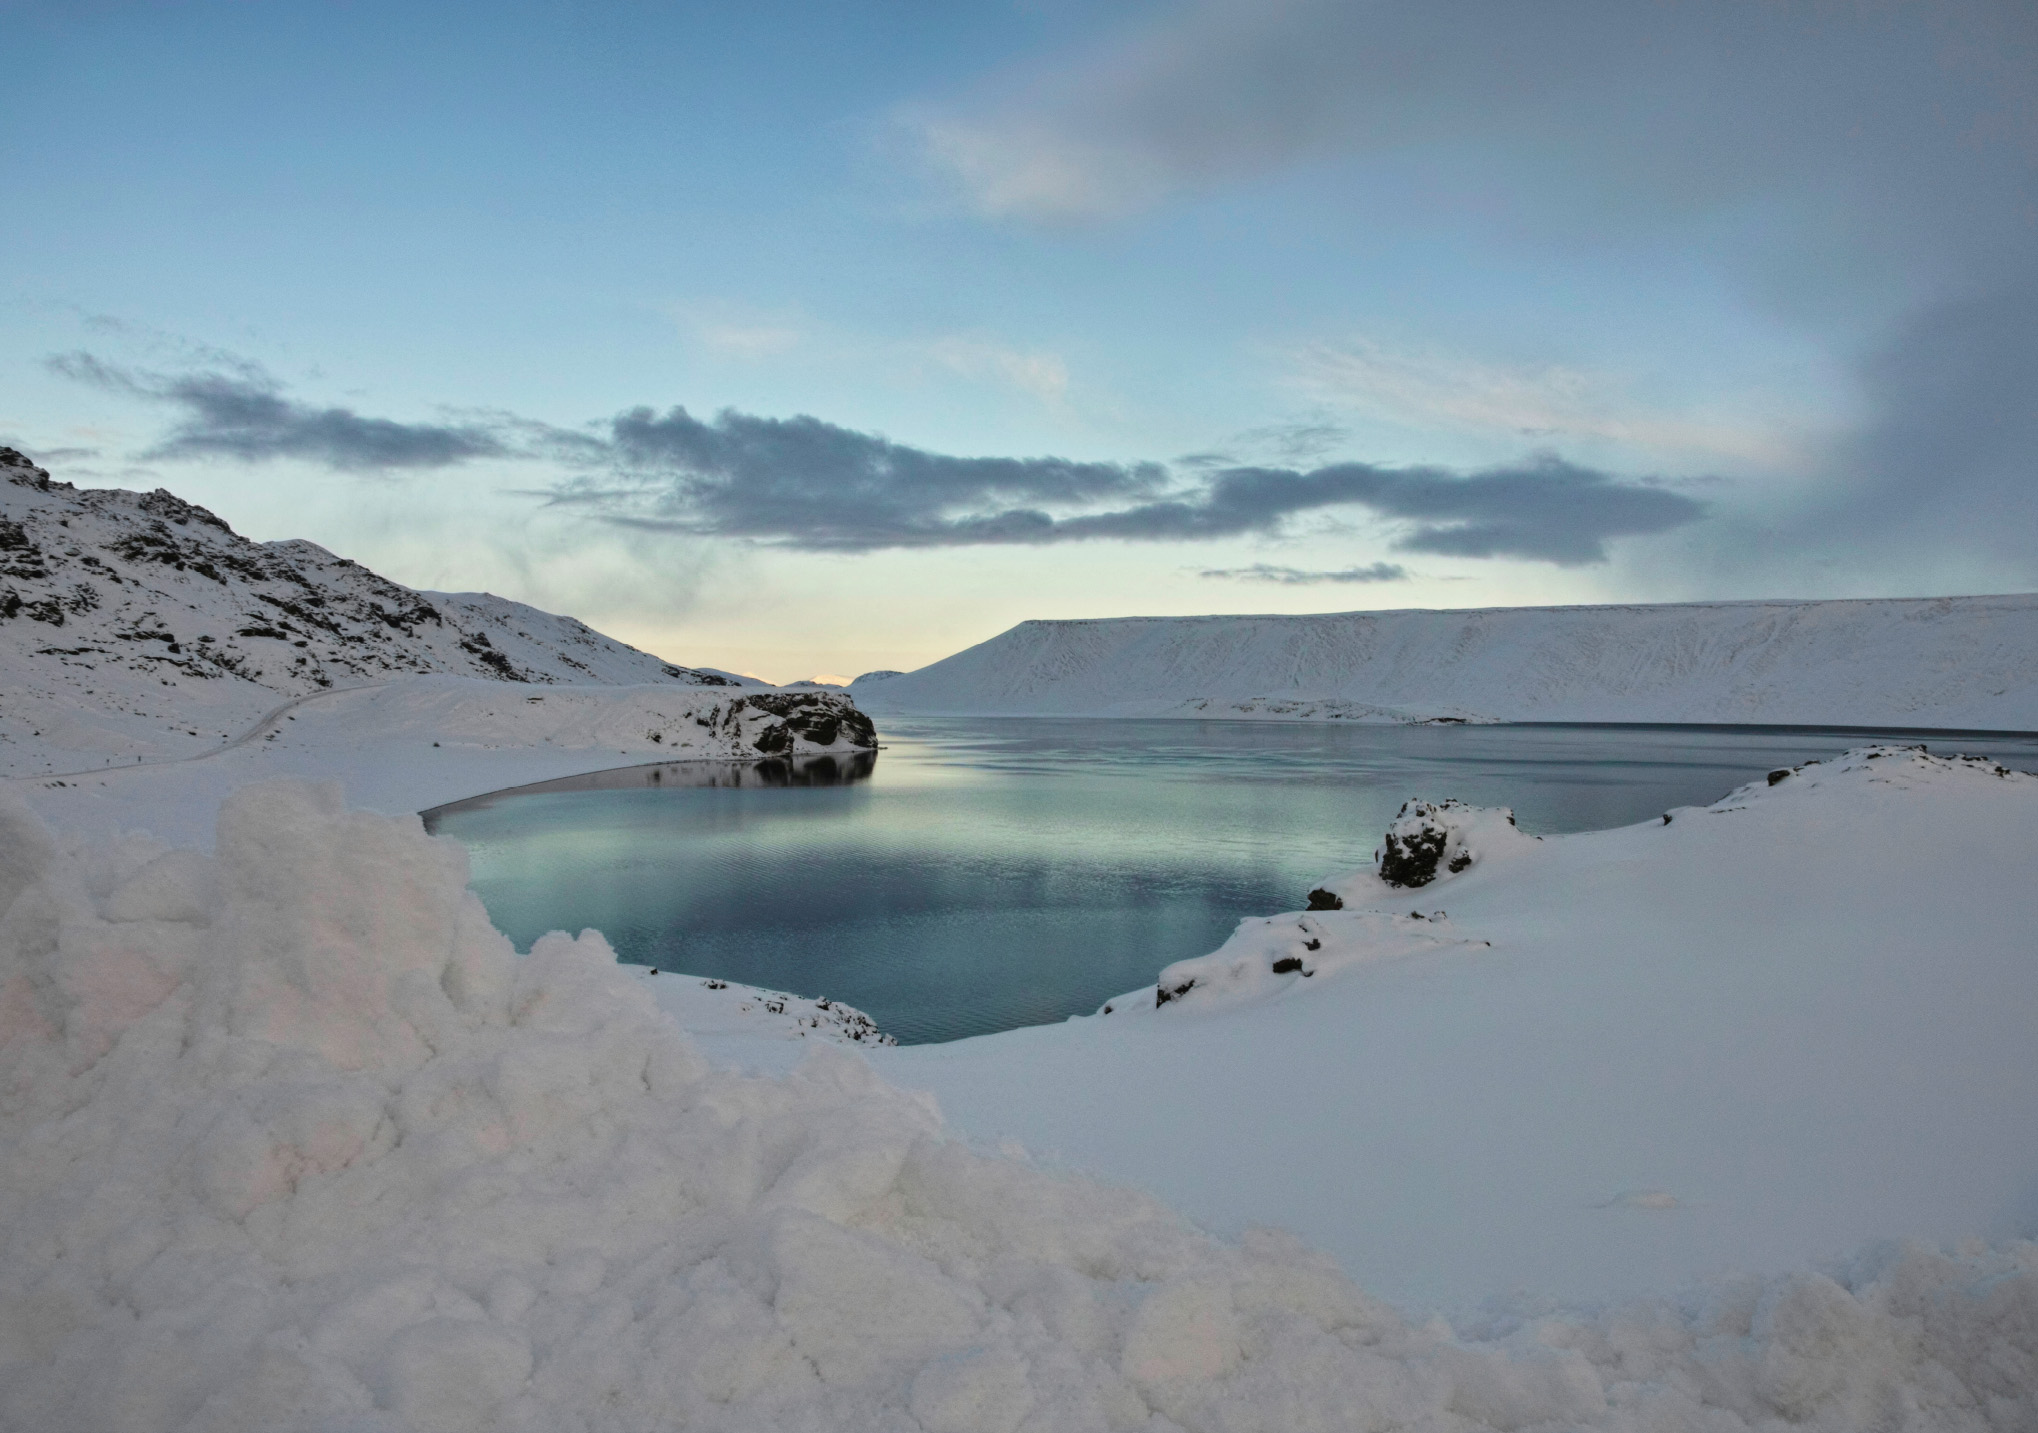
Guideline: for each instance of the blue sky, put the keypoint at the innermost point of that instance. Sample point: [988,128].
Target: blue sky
[1041,309]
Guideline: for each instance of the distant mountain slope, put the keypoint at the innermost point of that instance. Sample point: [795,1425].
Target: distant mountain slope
[140,625]
[1937,662]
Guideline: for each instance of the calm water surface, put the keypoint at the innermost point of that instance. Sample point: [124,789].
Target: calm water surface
[987,873]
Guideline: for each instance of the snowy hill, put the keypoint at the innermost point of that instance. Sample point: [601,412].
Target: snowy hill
[139,625]
[1950,662]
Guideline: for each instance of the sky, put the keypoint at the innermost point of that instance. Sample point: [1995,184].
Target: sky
[809,339]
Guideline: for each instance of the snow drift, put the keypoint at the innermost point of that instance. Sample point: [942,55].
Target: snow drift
[1951,662]
[290,1138]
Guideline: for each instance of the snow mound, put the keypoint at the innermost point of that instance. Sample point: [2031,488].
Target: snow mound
[1267,956]
[1904,768]
[291,1139]
[1952,662]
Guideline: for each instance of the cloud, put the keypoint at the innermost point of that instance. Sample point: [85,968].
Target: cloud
[1543,401]
[1682,108]
[1949,457]
[1043,375]
[1296,576]
[1854,170]
[807,484]
[244,415]
[803,483]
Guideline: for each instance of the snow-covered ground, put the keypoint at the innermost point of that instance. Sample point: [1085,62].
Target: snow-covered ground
[1951,662]
[291,1139]
[419,742]
[1766,1032]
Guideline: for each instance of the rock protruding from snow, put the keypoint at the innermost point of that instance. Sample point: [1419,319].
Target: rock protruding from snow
[291,1139]
[1967,662]
[140,625]
[1434,840]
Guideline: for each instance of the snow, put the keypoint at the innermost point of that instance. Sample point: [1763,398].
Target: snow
[420,742]
[136,625]
[1952,663]
[291,1139]
[1763,1034]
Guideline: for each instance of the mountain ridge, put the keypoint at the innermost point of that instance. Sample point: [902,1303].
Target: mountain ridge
[1945,662]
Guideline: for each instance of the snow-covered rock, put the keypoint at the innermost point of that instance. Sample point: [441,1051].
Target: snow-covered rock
[1950,662]
[1433,841]
[140,625]
[290,1139]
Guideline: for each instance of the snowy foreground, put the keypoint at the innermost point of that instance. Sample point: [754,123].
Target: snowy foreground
[290,1138]
[1950,662]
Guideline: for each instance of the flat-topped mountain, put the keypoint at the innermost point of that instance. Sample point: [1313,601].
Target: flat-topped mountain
[137,624]
[1949,662]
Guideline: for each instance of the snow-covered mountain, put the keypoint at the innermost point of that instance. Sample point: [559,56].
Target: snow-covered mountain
[140,625]
[1950,662]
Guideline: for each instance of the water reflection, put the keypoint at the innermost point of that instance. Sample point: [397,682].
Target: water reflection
[824,769]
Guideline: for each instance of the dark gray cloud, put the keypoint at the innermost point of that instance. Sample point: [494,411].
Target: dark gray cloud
[243,414]
[808,484]
[811,484]
[1952,449]
[1298,576]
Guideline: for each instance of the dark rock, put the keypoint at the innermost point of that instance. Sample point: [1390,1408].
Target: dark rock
[1322,900]
[1776,776]
[1287,963]
[1162,995]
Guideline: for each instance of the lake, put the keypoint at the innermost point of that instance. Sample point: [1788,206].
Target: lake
[985,873]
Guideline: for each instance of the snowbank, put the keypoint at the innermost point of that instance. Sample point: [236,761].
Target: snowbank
[1951,662]
[291,1139]
[1754,1036]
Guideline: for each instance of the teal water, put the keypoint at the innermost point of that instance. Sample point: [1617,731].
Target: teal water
[983,874]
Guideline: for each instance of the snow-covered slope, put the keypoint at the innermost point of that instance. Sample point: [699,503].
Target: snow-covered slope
[1757,1035]
[139,625]
[290,1139]
[1951,662]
